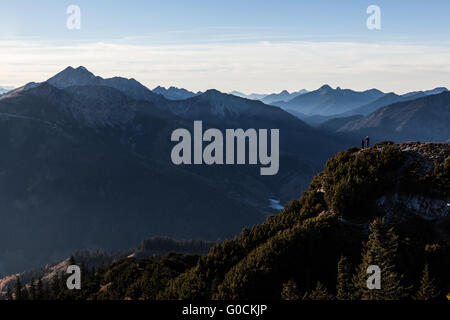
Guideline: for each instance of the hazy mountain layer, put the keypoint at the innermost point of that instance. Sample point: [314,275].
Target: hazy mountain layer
[391,98]
[173,93]
[282,96]
[327,101]
[423,119]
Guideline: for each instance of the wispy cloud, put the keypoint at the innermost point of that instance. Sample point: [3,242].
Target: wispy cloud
[251,67]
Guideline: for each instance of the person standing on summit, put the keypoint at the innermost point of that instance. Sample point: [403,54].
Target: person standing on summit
[367,142]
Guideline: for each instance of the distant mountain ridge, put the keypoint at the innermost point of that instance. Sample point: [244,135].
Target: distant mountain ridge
[82,77]
[426,92]
[391,98]
[422,119]
[173,93]
[282,96]
[387,99]
[272,97]
[328,101]
[252,96]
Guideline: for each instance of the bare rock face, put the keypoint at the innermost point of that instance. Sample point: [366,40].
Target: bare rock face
[398,181]
[423,159]
[400,206]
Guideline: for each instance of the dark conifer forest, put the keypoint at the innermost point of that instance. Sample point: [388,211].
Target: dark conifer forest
[362,210]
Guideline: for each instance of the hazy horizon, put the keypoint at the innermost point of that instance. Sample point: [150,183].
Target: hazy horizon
[251,47]
[227,91]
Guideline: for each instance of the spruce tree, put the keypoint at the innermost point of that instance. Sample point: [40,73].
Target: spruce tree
[56,287]
[40,290]
[319,293]
[47,292]
[290,291]
[18,290]
[379,250]
[427,289]
[9,295]
[32,290]
[344,287]
[25,293]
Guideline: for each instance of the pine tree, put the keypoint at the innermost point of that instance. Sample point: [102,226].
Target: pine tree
[380,250]
[427,289]
[40,290]
[9,295]
[56,287]
[319,293]
[290,291]
[32,290]
[18,290]
[25,294]
[344,287]
[47,291]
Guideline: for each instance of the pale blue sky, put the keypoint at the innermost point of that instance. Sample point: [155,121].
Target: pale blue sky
[186,43]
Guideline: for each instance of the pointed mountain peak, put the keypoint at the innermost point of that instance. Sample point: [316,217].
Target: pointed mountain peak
[325,87]
[71,77]
[212,92]
[71,70]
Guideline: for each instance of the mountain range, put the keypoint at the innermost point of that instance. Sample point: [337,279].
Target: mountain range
[173,93]
[86,161]
[86,164]
[328,101]
[282,96]
[252,96]
[422,119]
[270,98]
[391,98]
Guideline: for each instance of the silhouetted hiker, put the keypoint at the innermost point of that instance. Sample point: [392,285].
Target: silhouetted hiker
[362,144]
[367,142]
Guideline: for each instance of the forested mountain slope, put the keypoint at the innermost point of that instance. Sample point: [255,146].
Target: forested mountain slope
[387,205]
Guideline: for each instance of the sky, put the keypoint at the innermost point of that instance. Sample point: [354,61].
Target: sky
[250,46]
